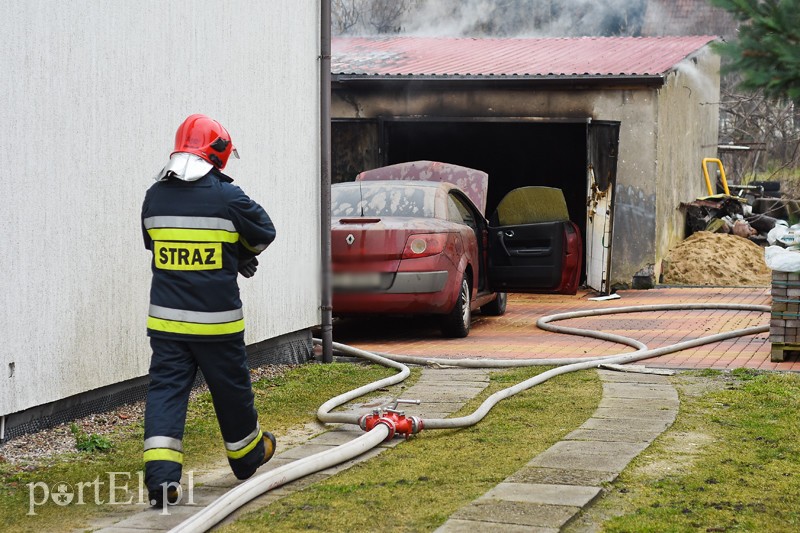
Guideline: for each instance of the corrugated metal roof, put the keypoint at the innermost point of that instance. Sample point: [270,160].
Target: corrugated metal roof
[526,57]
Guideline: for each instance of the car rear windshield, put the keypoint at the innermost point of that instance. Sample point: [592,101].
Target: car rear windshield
[382,200]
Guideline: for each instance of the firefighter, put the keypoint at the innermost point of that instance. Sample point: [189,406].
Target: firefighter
[202,230]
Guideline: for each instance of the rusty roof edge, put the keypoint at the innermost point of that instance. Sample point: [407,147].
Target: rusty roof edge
[551,79]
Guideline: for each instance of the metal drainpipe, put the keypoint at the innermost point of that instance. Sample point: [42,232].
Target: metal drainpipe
[325,162]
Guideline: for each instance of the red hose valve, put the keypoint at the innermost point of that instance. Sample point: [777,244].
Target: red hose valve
[396,421]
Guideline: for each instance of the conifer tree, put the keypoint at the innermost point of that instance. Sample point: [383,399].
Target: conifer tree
[767,51]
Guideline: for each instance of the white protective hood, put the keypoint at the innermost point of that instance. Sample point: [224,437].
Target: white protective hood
[185,166]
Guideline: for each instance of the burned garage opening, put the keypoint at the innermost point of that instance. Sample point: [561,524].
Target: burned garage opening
[567,154]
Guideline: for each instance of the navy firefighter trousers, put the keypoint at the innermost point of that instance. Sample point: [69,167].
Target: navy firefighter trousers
[172,372]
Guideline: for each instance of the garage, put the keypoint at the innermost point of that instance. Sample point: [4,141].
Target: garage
[544,112]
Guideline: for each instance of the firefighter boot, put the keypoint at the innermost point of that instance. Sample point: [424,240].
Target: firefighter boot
[157,497]
[246,470]
[269,446]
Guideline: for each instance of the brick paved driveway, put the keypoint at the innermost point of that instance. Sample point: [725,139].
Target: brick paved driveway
[515,335]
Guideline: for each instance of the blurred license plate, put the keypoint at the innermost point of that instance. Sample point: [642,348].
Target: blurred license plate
[356,280]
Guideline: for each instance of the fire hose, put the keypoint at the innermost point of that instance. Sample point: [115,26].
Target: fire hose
[384,424]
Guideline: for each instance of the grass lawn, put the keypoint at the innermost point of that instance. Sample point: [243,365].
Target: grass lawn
[731,461]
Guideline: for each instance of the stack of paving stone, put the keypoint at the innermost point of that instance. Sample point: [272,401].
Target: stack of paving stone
[784,324]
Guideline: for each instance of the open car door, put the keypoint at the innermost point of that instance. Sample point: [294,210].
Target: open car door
[533,246]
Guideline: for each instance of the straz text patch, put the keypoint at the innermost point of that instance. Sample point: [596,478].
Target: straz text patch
[188,256]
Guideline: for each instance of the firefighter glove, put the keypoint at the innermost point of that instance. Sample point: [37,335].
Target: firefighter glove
[248,267]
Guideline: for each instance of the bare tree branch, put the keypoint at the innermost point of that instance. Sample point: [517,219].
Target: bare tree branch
[385,15]
[345,15]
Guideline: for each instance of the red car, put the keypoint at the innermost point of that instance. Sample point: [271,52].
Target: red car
[412,238]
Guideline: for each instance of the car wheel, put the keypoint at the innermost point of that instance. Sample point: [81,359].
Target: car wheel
[456,323]
[497,306]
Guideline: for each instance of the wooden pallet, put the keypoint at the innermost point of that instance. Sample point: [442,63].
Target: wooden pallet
[779,350]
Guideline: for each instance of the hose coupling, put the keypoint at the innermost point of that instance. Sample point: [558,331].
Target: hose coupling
[396,421]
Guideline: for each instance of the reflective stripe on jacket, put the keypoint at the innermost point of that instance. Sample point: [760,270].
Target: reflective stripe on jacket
[198,231]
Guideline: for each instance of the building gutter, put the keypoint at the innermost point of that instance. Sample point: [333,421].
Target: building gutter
[575,82]
[326,303]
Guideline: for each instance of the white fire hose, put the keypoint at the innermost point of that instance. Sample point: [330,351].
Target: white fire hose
[381,428]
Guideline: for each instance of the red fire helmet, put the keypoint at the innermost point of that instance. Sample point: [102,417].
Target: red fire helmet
[205,137]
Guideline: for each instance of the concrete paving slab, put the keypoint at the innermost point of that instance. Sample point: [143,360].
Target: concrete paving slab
[571,495]
[471,526]
[276,462]
[429,414]
[637,424]
[142,518]
[636,403]
[307,450]
[202,496]
[642,412]
[638,384]
[201,475]
[156,519]
[455,374]
[115,529]
[561,476]
[108,522]
[451,399]
[224,478]
[628,377]
[335,438]
[648,391]
[453,379]
[612,435]
[438,403]
[450,404]
[343,427]
[438,392]
[475,386]
[517,513]
[372,403]
[585,455]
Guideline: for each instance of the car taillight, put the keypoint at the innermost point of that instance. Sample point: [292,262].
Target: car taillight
[424,244]
[571,265]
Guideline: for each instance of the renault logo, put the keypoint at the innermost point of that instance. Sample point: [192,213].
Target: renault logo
[350,239]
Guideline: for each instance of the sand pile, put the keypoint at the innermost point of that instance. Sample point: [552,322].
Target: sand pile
[716,259]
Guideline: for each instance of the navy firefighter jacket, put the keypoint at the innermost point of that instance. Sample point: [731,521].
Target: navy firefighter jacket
[198,232]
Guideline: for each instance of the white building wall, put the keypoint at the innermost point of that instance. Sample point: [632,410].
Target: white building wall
[688,131]
[93,92]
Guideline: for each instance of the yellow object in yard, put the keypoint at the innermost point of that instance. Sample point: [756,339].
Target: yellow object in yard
[707,160]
